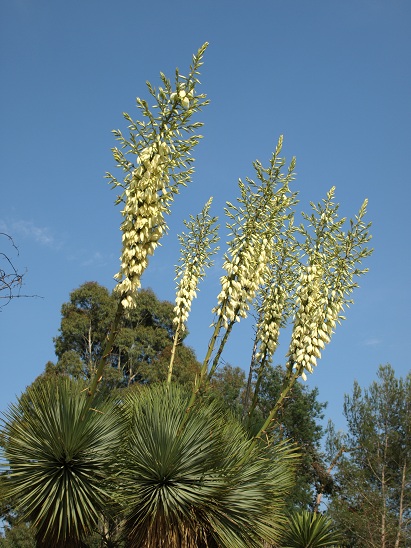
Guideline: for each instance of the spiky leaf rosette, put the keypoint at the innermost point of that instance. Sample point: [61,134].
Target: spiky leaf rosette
[59,457]
[187,482]
[310,530]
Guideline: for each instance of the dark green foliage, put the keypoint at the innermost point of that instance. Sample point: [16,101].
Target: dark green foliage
[86,319]
[228,385]
[20,535]
[142,348]
[299,421]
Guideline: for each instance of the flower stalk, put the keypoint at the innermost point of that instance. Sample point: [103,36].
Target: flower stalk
[160,164]
[197,248]
[324,288]
[254,225]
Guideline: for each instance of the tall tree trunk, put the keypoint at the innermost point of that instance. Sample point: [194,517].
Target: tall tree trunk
[329,469]
[384,495]
[401,508]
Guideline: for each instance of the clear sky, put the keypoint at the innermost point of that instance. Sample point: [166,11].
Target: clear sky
[332,76]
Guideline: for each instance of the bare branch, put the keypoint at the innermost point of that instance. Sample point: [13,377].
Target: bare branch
[11,280]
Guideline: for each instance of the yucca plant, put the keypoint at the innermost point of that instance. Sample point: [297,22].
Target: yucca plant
[310,530]
[187,482]
[60,456]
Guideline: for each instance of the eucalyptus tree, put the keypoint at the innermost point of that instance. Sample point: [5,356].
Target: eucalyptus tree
[141,350]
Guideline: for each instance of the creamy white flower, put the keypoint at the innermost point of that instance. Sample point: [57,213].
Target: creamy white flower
[144,224]
[268,328]
[185,294]
[314,321]
[245,273]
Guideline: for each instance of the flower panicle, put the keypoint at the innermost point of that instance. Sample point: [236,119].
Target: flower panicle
[270,320]
[245,273]
[197,248]
[262,210]
[328,281]
[162,163]
[144,223]
[314,322]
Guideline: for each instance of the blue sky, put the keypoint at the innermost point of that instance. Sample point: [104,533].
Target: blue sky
[332,76]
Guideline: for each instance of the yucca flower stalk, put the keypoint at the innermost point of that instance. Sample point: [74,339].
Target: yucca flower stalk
[197,248]
[262,208]
[162,163]
[156,160]
[325,287]
[275,305]
[328,280]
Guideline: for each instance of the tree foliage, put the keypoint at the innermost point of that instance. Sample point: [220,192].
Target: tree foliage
[372,502]
[142,348]
[299,420]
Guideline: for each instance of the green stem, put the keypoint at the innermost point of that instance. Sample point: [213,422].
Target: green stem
[111,335]
[250,378]
[204,368]
[210,349]
[173,353]
[261,370]
[220,350]
[287,385]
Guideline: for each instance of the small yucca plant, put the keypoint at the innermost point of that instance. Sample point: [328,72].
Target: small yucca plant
[60,460]
[310,530]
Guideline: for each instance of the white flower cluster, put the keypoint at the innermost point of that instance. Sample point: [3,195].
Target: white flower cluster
[143,225]
[268,328]
[245,273]
[182,97]
[185,294]
[315,320]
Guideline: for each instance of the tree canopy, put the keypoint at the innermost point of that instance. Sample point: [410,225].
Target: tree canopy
[372,499]
[299,421]
[142,348]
